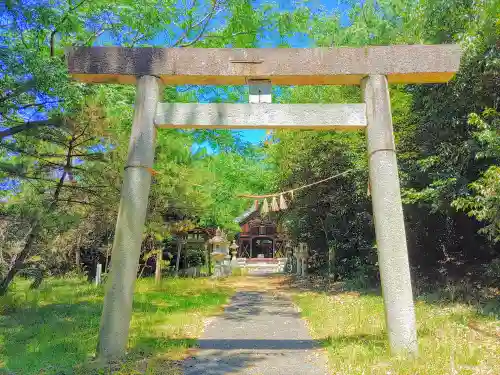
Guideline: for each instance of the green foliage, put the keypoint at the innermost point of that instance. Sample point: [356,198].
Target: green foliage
[448,157]
[195,257]
[444,159]
[484,200]
[447,135]
[68,195]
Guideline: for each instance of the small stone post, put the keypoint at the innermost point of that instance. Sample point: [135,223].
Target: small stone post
[98,273]
[298,256]
[305,255]
[389,220]
[117,309]
[301,259]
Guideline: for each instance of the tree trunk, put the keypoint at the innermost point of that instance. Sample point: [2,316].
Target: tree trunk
[18,263]
[78,259]
[331,261]
[209,261]
[159,259]
[330,248]
[177,261]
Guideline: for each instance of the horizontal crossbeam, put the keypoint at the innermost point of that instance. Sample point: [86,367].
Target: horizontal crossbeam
[261,116]
[283,66]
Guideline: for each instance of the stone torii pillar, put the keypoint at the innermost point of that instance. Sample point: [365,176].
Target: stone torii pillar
[371,67]
[388,216]
[117,308]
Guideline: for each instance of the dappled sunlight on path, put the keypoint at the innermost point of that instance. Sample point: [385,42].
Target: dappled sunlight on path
[260,332]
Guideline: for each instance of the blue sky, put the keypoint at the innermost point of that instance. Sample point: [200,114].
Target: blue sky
[299,41]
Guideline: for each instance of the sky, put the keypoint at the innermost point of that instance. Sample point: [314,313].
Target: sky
[299,41]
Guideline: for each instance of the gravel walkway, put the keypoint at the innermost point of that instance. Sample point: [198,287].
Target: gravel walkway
[258,334]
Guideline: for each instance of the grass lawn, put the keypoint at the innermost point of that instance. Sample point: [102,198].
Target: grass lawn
[53,330]
[453,338]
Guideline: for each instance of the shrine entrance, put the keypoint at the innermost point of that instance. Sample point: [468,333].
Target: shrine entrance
[373,68]
[258,235]
[263,247]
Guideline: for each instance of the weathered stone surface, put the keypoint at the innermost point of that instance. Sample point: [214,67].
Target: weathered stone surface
[389,219]
[117,307]
[263,116]
[283,66]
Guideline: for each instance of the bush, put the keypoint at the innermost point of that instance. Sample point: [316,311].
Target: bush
[195,257]
[363,270]
[492,272]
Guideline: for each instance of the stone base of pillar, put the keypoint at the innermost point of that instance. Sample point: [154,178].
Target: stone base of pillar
[218,271]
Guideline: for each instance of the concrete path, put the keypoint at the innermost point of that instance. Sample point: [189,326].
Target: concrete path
[259,334]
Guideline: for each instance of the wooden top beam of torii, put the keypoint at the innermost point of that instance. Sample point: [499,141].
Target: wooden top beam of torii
[283,66]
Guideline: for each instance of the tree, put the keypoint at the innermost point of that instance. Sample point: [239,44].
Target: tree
[438,150]
[40,105]
[60,174]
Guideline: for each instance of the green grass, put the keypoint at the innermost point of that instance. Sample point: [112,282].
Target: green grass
[453,338]
[53,330]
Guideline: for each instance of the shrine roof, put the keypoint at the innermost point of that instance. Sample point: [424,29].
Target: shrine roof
[245,216]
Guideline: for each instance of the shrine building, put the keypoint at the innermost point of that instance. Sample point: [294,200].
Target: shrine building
[260,236]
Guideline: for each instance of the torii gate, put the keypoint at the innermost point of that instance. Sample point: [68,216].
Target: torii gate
[371,67]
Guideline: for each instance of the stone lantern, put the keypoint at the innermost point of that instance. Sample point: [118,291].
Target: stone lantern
[220,253]
[234,253]
[290,265]
[234,249]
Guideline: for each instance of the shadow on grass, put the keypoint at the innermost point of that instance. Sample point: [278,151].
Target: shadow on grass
[373,342]
[485,305]
[52,338]
[161,301]
[368,340]
[325,285]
